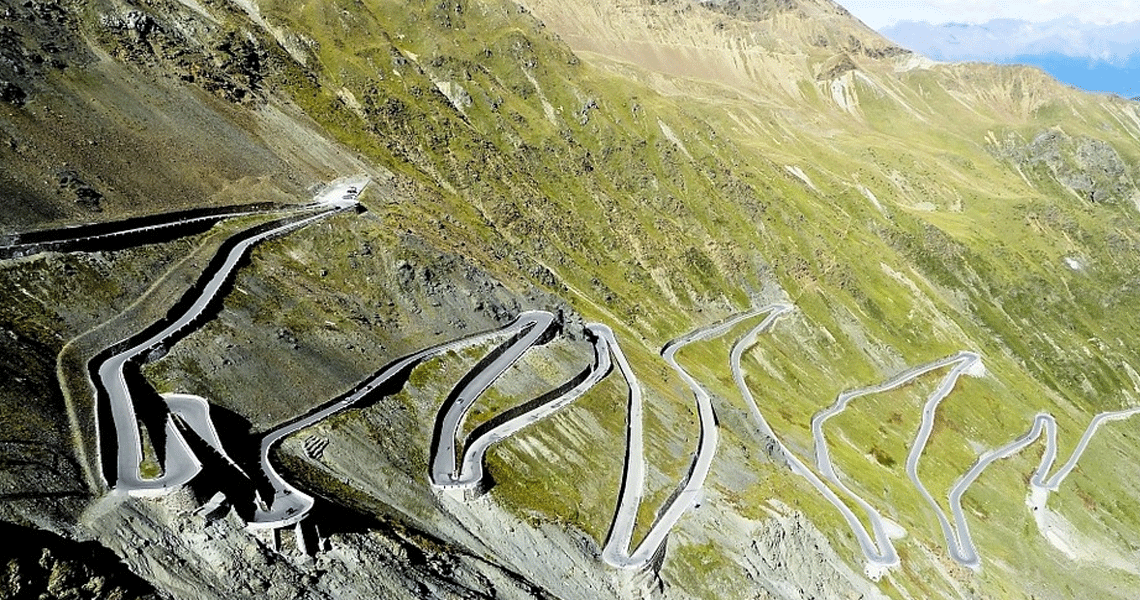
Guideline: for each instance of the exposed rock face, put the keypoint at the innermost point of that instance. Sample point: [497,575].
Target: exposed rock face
[41,565]
[215,556]
[836,67]
[455,93]
[229,63]
[85,195]
[790,558]
[752,10]
[1091,168]
[12,93]
[30,45]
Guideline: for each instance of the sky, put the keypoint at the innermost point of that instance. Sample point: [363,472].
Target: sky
[1090,44]
[881,13]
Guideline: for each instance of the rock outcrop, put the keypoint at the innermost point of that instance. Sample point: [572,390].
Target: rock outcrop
[1092,169]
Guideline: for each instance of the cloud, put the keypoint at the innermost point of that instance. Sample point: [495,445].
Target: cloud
[881,13]
[1001,39]
[1091,44]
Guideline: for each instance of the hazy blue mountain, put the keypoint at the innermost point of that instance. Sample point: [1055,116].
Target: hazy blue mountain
[1093,57]
[1123,79]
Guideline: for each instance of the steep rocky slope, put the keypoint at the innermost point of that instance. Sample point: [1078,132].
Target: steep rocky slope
[655,166]
[48,566]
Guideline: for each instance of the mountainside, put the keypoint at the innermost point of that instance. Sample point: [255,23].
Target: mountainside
[739,299]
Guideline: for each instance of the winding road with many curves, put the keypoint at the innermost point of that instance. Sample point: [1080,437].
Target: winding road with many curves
[616,551]
[180,465]
[532,326]
[1040,484]
[289,504]
[880,553]
[458,465]
[513,420]
[884,555]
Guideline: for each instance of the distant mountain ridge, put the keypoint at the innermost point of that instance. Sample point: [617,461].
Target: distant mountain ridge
[1089,56]
[1116,43]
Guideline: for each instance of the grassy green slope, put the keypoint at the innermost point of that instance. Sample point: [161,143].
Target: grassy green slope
[932,223]
[568,169]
